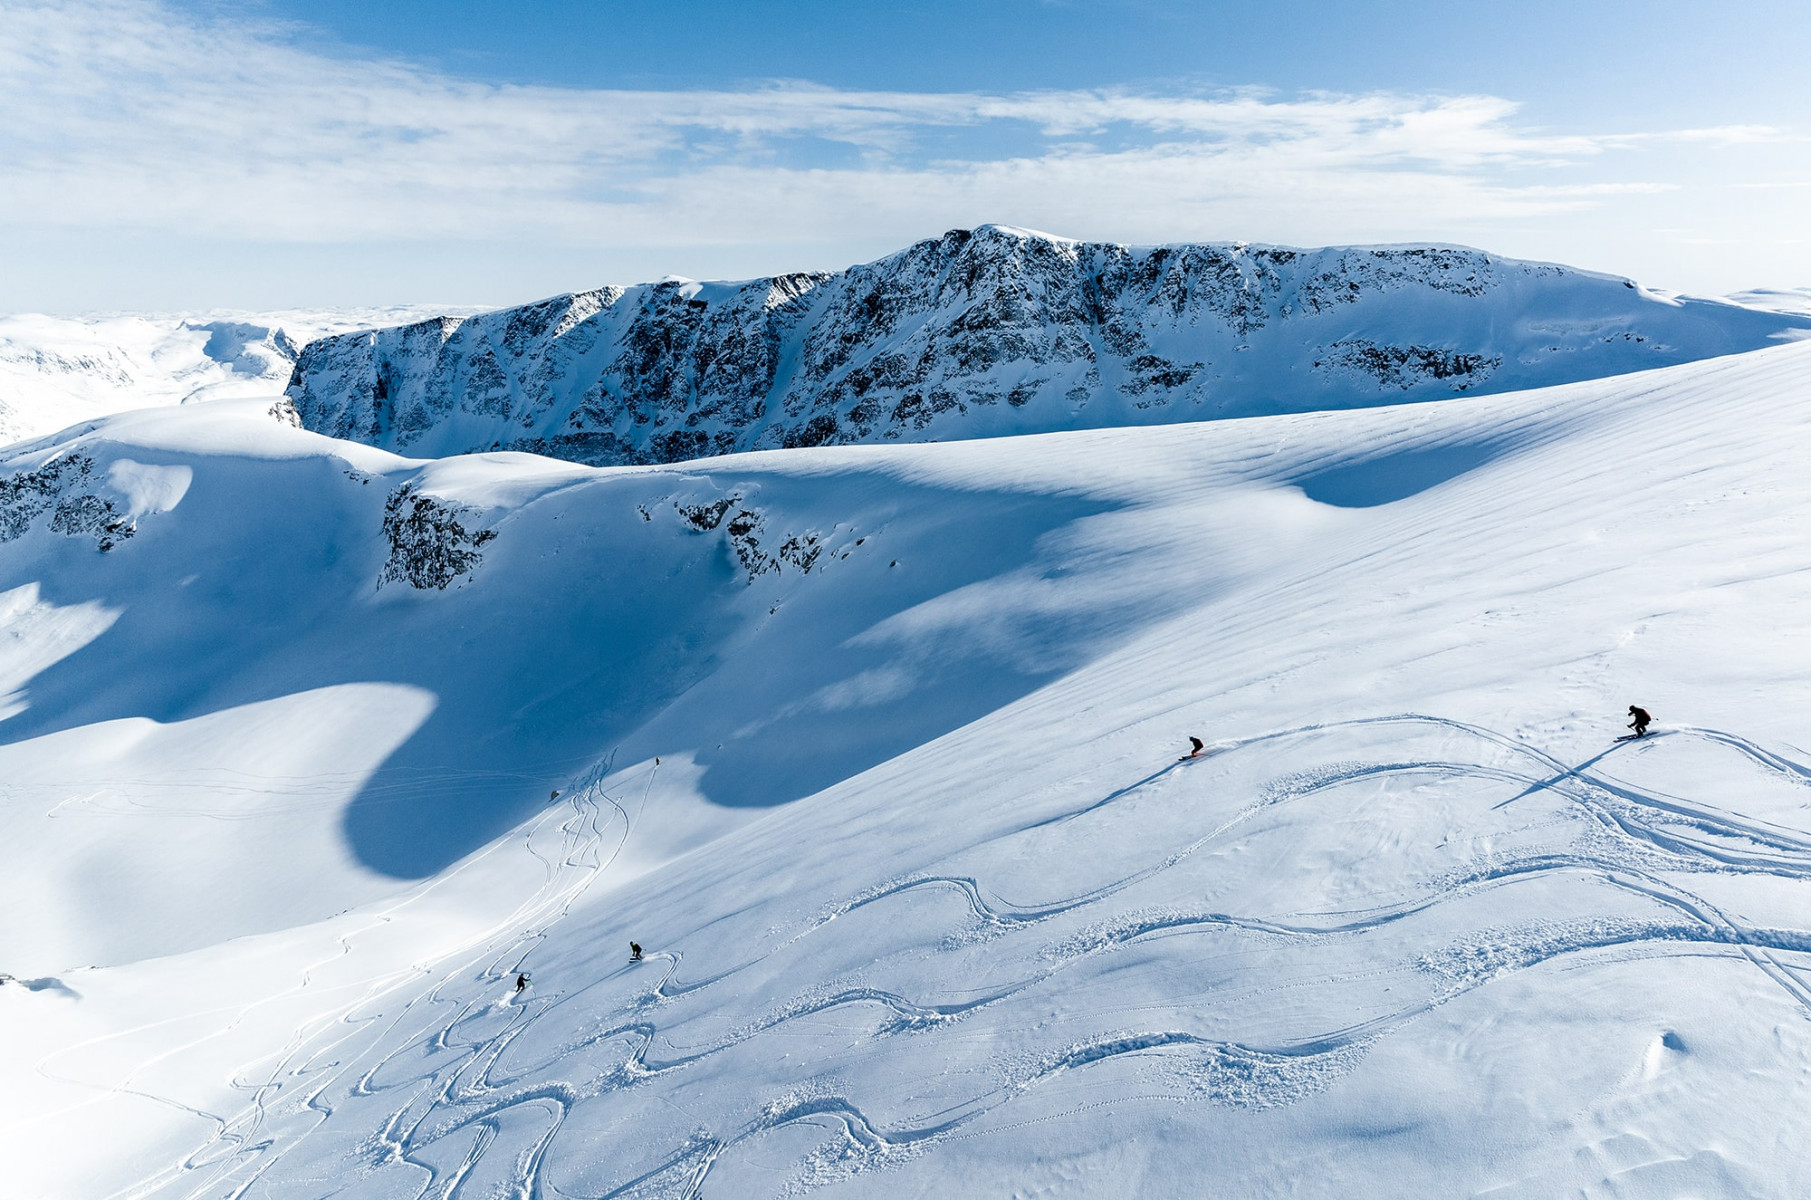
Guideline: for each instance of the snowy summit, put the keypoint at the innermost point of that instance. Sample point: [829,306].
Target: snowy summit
[999,331]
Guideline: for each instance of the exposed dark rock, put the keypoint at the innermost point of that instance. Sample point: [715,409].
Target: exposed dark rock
[64,488]
[1405,366]
[87,513]
[745,528]
[430,545]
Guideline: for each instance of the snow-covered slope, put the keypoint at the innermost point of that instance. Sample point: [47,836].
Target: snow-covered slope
[874,750]
[998,331]
[55,371]
[1796,301]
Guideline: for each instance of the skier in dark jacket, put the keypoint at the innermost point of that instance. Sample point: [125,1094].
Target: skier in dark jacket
[634,951]
[521,982]
[1641,722]
[1198,745]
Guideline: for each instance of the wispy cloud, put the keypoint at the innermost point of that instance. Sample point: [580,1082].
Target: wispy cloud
[137,114]
[151,156]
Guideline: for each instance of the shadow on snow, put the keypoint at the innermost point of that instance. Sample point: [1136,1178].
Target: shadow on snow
[1399,475]
[603,631]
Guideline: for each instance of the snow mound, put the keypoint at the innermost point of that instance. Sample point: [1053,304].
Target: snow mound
[1796,301]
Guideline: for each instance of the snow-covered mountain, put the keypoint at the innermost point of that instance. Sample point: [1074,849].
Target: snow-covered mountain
[1796,301]
[997,331]
[55,371]
[308,749]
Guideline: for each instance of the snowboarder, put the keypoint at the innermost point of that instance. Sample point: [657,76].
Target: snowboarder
[634,951]
[1198,745]
[521,983]
[1641,722]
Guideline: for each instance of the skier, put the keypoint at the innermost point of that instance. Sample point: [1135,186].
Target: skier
[634,951]
[1641,722]
[521,983]
[1198,745]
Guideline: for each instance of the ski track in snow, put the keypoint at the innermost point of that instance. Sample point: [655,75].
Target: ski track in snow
[241,1147]
[435,1045]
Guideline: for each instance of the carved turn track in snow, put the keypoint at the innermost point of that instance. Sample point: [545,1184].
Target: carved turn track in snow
[473,1092]
[574,842]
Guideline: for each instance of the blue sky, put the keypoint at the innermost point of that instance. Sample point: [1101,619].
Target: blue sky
[186,153]
[1641,63]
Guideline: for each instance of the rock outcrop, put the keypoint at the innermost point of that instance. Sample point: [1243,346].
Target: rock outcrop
[65,487]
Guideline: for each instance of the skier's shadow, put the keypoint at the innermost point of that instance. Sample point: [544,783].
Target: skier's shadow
[1569,772]
[1109,798]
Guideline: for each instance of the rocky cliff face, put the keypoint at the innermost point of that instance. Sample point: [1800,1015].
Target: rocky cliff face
[995,331]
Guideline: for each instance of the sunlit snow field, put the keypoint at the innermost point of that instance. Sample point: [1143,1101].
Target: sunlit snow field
[930,906]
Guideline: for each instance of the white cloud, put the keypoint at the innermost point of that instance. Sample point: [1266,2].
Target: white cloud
[122,114]
[136,119]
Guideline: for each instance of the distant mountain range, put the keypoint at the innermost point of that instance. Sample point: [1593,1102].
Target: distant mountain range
[55,371]
[998,331]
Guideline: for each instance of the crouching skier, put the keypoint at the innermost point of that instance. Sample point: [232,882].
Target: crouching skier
[1642,720]
[634,951]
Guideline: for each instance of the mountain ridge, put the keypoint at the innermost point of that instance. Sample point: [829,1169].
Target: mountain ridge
[997,331]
